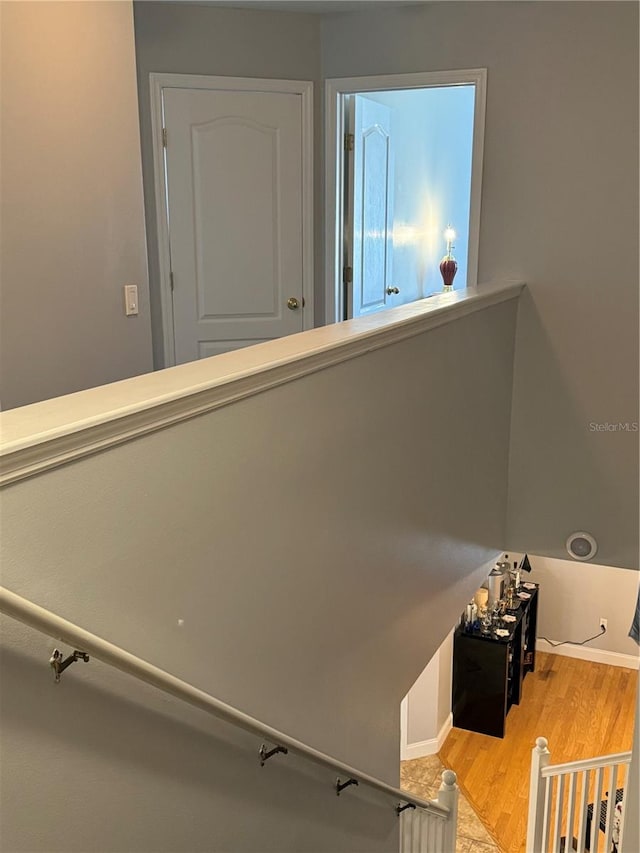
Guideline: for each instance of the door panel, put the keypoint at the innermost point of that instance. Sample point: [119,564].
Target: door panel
[234,177]
[372,207]
[221,240]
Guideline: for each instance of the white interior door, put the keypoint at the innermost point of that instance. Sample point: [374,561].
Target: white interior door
[370,202]
[234,177]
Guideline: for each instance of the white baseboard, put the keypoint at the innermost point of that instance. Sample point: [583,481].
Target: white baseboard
[427,747]
[587,653]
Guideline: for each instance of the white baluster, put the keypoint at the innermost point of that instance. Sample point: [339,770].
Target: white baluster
[611,805]
[624,784]
[540,758]
[439,843]
[415,831]
[546,820]
[555,838]
[405,837]
[448,797]
[571,805]
[595,823]
[430,835]
[418,830]
[582,813]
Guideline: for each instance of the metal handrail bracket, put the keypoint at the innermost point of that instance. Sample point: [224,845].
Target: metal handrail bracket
[49,623]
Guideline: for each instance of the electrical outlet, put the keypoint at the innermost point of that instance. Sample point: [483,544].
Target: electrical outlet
[603,623]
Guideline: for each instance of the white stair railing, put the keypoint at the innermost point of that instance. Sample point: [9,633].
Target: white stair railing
[572,806]
[424,832]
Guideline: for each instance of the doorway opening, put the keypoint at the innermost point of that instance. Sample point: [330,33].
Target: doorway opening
[404,163]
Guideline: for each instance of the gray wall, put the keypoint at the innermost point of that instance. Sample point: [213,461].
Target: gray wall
[318,544]
[559,208]
[573,597]
[193,39]
[72,210]
[560,211]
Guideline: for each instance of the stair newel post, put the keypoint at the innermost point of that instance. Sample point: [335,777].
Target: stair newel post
[540,757]
[448,797]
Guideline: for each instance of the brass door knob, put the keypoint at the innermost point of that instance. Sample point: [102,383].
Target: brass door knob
[292,303]
[392,290]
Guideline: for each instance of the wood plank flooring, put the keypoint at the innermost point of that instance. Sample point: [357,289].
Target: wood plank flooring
[584,709]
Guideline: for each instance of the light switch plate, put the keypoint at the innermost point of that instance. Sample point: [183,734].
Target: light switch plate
[130,299]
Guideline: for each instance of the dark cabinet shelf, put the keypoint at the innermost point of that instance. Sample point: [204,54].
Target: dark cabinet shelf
[489,670]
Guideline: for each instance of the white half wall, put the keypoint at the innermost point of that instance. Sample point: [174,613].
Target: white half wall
[298,553]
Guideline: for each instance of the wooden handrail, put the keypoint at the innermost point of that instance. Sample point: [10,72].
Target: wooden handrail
[51,433]
[585,764]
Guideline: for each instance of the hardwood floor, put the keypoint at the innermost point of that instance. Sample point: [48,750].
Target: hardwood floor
[584,710]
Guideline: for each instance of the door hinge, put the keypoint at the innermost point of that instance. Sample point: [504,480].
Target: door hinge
[349,141]
[171,280]
[164,137]
[347,275]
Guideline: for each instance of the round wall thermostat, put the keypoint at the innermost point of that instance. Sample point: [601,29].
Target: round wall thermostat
[581,546]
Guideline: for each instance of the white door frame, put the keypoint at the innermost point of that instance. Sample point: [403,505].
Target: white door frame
[335,90]
[158,82]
